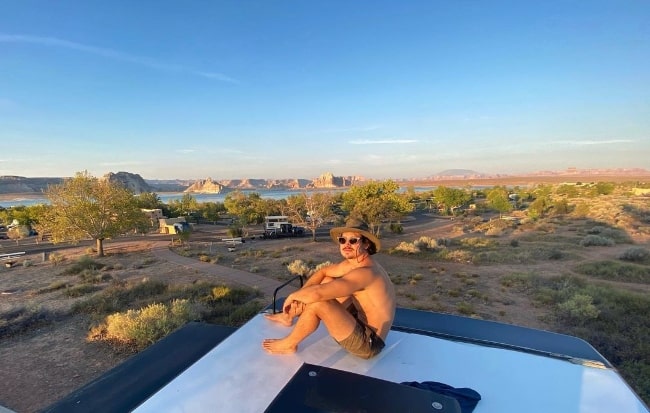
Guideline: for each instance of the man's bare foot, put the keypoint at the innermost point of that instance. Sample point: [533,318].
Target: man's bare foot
[278,346]
[282,318]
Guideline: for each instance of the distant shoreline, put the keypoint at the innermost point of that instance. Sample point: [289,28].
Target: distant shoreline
[526,180]
[459,182]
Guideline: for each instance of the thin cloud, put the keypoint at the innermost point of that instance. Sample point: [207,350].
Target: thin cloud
[112,54]
[383,141]
[593,142]
[186,150]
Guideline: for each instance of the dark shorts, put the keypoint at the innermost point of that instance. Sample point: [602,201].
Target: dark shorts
[363,342]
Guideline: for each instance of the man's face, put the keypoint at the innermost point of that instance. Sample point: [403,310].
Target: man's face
[350,244]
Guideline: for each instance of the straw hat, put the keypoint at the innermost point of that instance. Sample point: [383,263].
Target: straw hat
[354,225]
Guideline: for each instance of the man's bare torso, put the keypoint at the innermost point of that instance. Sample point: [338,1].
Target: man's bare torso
[376,302]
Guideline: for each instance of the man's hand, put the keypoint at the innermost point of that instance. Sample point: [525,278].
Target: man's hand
[293,307]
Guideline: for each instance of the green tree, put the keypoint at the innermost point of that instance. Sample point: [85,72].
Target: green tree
[211,210]
[248,208]
[561,207]
[87,207]
[497,198]
[36,214]
[27,217]
[376,202]
[542,203]
[451,198]
[568,190]
[605,188]
[148,200]
[186,206]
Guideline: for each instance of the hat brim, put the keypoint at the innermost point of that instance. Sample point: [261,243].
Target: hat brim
[336,232]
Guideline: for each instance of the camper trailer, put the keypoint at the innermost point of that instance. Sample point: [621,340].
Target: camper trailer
[276,226]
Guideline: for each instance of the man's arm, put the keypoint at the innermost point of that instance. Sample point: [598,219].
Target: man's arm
[352,282]
[316,278]
[333,271]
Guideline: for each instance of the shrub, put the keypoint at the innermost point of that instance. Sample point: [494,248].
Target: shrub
[455,256]
[596,240]
[555,254]
[119,296]
[145,326]
[84,263]
[465,308]
[407,247]
[614,234]
[579,308]
[415,278]
[56,258]
[477,242]
[616,271]
[235,232]
[21,319]
[219,292]
[80,290]
[298,267]
[636,254]
[396,228]
[58,285]
[581,210]
[519,281]
[494,232]
[148,261]
[426,243]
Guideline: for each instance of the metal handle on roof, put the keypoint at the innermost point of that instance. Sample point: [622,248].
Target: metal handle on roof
[275,293]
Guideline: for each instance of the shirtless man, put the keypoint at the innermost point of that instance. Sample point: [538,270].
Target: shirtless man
[354,298]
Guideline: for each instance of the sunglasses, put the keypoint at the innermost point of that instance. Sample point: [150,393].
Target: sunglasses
[352,241]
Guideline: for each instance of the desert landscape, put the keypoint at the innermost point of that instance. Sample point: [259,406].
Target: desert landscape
[476,266]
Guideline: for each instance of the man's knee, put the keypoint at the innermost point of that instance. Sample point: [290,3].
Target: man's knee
[319,306]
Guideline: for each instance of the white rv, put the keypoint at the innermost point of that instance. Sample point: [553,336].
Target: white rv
[279,226]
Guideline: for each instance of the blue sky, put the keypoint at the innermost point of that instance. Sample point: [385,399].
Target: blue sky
[286,89]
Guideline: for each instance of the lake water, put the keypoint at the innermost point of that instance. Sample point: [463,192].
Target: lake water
[167,197]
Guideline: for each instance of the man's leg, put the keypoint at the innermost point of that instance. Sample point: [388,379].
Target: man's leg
[339,322]
[286,319]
